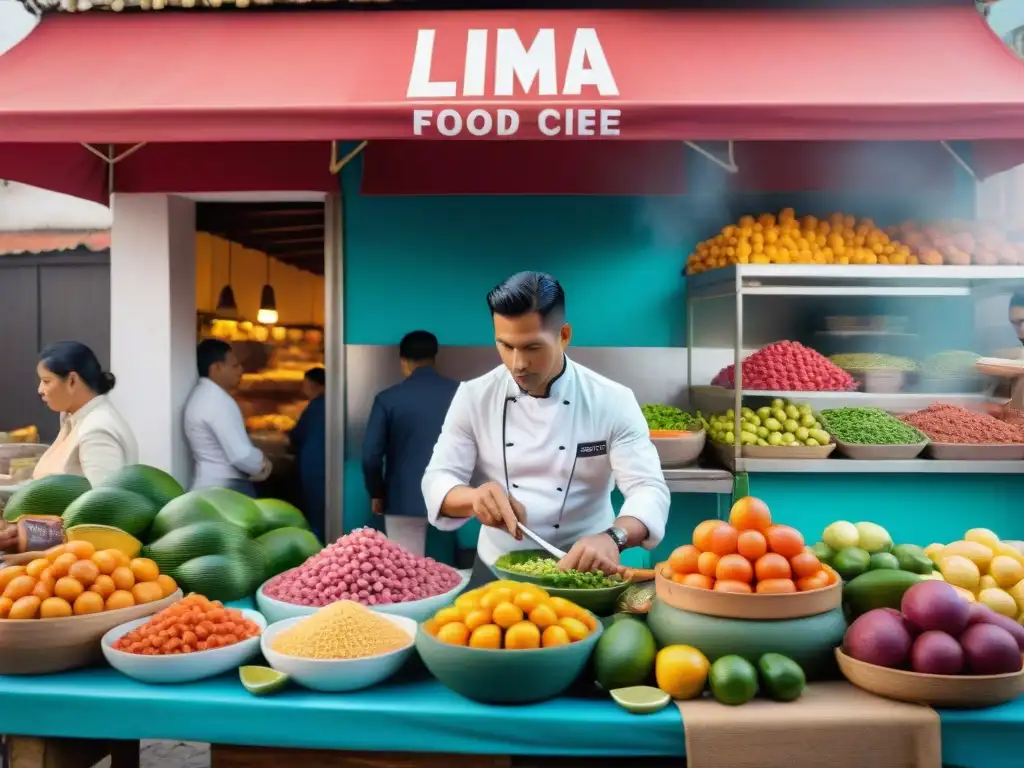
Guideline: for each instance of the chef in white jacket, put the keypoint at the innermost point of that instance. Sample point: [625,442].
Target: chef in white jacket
[543,440]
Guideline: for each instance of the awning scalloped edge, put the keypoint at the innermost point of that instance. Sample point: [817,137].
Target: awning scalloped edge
[39,7]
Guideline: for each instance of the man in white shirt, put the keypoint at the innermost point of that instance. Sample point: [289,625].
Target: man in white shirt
[223,454]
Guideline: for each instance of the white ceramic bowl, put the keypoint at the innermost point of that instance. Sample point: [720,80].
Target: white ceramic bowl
[338,675]
[180,668]
[418,610]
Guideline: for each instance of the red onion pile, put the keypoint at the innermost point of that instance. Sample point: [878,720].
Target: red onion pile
[788,366]
[366,567]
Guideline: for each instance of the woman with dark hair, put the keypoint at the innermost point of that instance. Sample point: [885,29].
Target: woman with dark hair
[94,440]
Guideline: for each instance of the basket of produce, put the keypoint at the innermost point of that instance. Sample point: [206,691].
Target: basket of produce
[142,650]
[341,647]
[953,371]
[748,568]
[958,434]
[787,366]
[363,566]
[55,610]
[677,435]
[594,592]
[509,642]
[937,649]
[872,434]
[781,430]
[886,374]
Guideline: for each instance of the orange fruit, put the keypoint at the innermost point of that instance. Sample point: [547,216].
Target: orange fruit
[698,580]
[506,614]
[554,636]
[543,616]
[750,514]
[42,590]
[19,587]
[772,566]
[60,566]
[36,567]
[528,600]
[68,589]
[55,608]
[477,618]
[82,550]
[8,574]
[723,540]
[725,585]
[25,608]
[122,599]
[775,587]
[454,633]
[486,636]
[786,541]
[54,552]
[734,568]
[168,585]
[684,559]
[564,607]
[88,602]
[707,563]
[103,586]
[106,561]
[84,571]
[681,671]
[577,629]
[751,544]
[702,534]
[805,564]
[833,575]
[144,569]
[522,636]
[47,578]
[5,606]
[123,578]
[817,581]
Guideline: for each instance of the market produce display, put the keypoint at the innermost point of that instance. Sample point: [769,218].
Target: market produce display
[984,569]
[854,549]
[780,424]
[626,655]
[838,239]
[49,495]
[544,569]
[864,362]
[75,579]
[341,630]
[511,615]
[944,423]
[667,417]
[958,242]
[748,554]
[192,625]
[787,366]
[869,426]
[366,567]
[951,364]
[149,482]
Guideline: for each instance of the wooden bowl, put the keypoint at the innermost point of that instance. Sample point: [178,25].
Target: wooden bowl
[678,448]
[729,605]
[933,690]
[44,646]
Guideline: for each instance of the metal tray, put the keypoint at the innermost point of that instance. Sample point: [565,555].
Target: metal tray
[960,452]
[861,451]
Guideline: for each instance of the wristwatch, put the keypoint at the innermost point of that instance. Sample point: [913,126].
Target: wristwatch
[619,536]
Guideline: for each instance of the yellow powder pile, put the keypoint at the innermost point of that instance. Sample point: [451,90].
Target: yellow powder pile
[342,630]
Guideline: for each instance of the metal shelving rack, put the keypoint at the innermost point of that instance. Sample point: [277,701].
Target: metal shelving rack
[742,280]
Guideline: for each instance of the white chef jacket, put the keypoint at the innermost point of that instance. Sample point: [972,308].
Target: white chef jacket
[215,430]
[559,455]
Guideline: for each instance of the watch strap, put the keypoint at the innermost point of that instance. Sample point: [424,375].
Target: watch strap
[618,536]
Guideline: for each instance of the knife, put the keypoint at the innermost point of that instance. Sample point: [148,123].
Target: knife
[549,548]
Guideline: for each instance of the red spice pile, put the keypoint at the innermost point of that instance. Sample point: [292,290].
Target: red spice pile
[951,424]
[788,366]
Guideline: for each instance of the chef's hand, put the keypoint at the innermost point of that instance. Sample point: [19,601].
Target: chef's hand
[377,506]
[8,537]
[494,508]
[593,553]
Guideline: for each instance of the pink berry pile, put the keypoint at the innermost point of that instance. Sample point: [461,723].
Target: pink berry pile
[788,366]
[366,567]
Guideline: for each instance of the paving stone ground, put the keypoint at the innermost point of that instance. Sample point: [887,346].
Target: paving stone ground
[171,754]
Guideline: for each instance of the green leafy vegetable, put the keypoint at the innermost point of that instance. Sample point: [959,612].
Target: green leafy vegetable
[545,570]
[669,417]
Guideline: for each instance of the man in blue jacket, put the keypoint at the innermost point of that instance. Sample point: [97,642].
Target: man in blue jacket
[404,424]
[309,444]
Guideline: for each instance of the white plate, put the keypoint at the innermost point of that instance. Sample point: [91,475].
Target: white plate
[338,675]
[180,668]
[418,610]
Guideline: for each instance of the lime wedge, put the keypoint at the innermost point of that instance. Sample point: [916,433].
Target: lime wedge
[262,681]
[641,699]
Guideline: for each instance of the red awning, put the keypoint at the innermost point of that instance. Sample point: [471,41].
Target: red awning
[880,74]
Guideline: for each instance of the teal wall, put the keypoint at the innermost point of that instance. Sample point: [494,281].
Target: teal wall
[428,262]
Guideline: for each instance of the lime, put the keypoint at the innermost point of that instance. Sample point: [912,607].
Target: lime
[262,681]
[641,699]
[733,680]
[783,678]
[883,561]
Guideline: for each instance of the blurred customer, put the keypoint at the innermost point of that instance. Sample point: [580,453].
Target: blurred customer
[224,455]
[94,440]
[309,444]
[404,424]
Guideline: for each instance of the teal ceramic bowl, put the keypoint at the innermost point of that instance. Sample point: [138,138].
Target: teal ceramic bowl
[506,677]
[600,602]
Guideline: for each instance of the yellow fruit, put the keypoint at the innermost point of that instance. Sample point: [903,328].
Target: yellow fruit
[5,606]
[934,551]
[36,567]
[167,585]
[506,614]
[681,671]
[447,616]
[1010,551]
[147,592]
[60,566]
[120,599]
[454,633]
[486,636]
[1006,571]
[984,537]
[987,582]
[42,590]
[477,618]
[55,608]
[84,572]
[54,552]
[19,587]
[577,629]
[103,586]
[999,601]
[527,600]
[543,616]
[961,572]
[25,608]
[82,550]
[106,561]
[123,577]
[966,594]
[88,602]
[68,589]
[1017,593]
[8,574]
[977,553]
[495,596]
[467,602]
[144,569]
[522,636]
[105,538]
[564,607]
[554,636]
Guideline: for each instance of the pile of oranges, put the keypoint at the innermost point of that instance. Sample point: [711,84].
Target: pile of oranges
[74,579]
[748,554]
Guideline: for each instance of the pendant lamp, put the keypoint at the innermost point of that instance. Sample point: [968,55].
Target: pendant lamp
[268,302]
[226,306]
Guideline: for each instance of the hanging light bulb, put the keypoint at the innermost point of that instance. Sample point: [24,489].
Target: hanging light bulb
[226,306]
[268,302]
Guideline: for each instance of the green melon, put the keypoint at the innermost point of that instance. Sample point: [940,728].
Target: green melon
[195,540]
[288,548]
[281,514]
[49,495]
[184,510]
[149,482]
[224,577]
[235,508]
[115,507]
[808,641]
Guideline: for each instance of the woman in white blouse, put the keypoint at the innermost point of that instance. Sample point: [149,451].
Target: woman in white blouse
[94,440]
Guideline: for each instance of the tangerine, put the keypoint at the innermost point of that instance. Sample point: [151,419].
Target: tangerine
[103,586]
[486,636]
[577,629]
[544,616]
[775,587]
[707,564]
[105,561]
[36,567]
[554,636]
[833,575]
[683,559]
[786,541]
[167,584]
[123,577]
[817,581]
[454,633]
[88,602]
[55,608]
[62,563]
[725,585]
[506,614]
[123,599]
[734,568]
[702,534]
[523,636]
[82,550]
[751,544]
[144,569]
[805,564]
[698,580]
[84,571]
[477,617]
[723,540]
[772,566]
[147,592]
[750,514]
[5,606]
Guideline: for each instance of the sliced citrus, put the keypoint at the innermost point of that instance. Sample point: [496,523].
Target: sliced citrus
[641,699]
[261,681]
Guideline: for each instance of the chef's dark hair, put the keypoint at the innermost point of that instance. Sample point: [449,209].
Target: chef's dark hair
[63,358]
[1017,300]
[527,292]
[209,353]
[317,376]
[418,347]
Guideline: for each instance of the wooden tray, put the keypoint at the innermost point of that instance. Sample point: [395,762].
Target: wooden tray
[933,690]
[728,605]
[968,452]
[44,646]
[861,451]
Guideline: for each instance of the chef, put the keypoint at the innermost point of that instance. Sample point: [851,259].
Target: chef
[1013,389]
[542,440]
